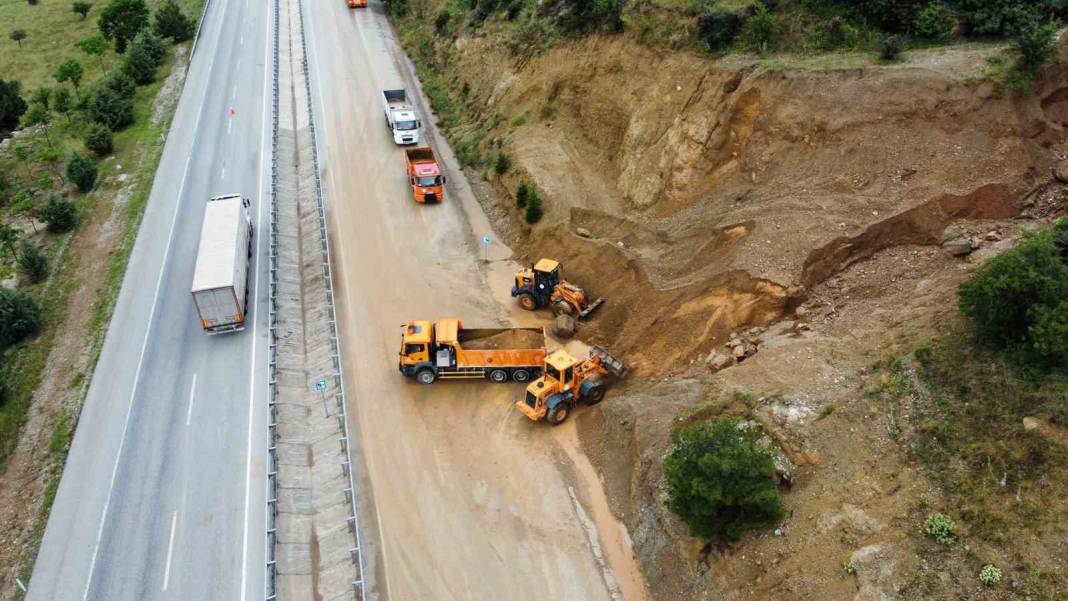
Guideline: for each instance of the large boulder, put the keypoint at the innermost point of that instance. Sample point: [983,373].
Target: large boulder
[564,326]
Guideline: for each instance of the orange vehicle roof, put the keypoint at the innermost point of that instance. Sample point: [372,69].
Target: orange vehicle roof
[426,169]
[417,332]
[448,330]
[546,265]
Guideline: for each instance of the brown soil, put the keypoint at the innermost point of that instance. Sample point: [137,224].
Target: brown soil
[70,362]
[704,198]
[501,339]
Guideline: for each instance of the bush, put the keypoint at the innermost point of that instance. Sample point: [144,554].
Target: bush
[171,23]
[932,22]
[940,527]
[760,29]
[20,317]
[890,47]
[990,575]
[720,482]
[36,114]
[121,20]
[502,164]
[109,108]
[533,211]
[60,215]
[145,55]
[12,106]
[585,16]
[718,28]
[82,8]
[891,15]
[119,82]
[523,193]
[398,8]
[1017,299]
[99,140]
[81,171]
[1000,17]
[1035,44]
[32,262]
[71,70]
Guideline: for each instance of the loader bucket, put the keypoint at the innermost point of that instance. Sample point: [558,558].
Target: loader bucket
[610,363]
[590,308]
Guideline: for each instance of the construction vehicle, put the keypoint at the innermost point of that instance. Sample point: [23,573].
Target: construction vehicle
[400,117]
[543,285]
[428,184]
[446,350]
[567,381]
[220,278]
[357,3]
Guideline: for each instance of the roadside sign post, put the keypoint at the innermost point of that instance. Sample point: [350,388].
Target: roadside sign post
[486,240]
[320,385]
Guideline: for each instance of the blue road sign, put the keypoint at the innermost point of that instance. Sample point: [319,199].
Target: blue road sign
[320,385]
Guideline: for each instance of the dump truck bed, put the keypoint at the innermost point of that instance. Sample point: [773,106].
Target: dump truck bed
[423,154]
[502,338]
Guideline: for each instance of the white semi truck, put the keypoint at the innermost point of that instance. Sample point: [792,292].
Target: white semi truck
[400,117]
[221,275]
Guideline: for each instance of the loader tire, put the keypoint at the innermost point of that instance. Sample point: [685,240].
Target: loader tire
[498,376]
[527,302]
[594,395]
[426,376]
[558,414]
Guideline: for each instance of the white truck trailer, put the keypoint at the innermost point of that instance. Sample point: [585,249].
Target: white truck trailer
[220,278]
[400,117]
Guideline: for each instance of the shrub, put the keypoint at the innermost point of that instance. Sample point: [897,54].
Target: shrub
[760,29]
[990,575]
[144,57]
[584,16]
[62,102]
[398,8]
[70,71]
[940,527]
[42,96]
[12,106]
[514,8]
[999,17]
[890,47]
[720,482]
[109,108]
[119,82]
[1036,43]
[32,262]
[81,8]
[533,212]
[121,20]
[81,171]
[20,317]
[933,21]
[17,35]
[891,15]
[523,193]
[502,164]
[60,215]
[36,114]
[171,23]
[99,139]
[1017,299]
[717,29]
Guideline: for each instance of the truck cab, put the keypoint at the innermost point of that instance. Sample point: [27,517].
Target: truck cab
[401,118]
[424,175]
[357,3]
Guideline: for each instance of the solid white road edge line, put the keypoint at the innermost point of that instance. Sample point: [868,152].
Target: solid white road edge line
[170,551]
[192,394]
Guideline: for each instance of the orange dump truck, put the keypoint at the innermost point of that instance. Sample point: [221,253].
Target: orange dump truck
[446,350]
[357,3]
[428,184]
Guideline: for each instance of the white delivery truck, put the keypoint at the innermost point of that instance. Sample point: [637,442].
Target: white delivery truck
[220,278]
[400,117]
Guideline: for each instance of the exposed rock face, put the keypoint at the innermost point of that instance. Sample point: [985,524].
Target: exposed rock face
[882,570]
[564,326]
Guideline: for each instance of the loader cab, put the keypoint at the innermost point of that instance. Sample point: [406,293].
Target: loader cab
[546,274]
[535,286]
[559,378]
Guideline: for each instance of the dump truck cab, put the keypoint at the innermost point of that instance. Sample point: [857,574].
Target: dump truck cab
[566,381]
[416,341]
[544,285]
[357,3]
[447,350]
[424,175]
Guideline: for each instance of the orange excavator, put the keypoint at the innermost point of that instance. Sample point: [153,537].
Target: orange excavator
[543,285]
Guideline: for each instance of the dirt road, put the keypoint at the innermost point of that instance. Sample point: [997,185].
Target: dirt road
[471,500]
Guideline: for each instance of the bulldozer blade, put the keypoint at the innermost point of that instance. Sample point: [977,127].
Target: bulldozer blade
[590,308]
[613,365]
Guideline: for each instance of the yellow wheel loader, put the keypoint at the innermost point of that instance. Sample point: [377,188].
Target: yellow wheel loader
[543,285]
[567,381]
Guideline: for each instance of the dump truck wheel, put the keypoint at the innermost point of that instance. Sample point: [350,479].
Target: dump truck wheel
[426,376]
[498,376]
[594,395]
[558,414]
[521,375]
[527,302]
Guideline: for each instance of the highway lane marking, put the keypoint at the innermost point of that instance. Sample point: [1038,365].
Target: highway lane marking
[192,393]
[144,344]
[222,175]
[229,124]
[170,551]
[255,322]
[233,92]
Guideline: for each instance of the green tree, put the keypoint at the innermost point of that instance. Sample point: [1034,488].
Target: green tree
[60,214]
[119,82]
[99,139]
[720,482]
[94,45]
[81,8]
[891,47]
[32,262]
[62,102]
[81,171]
[503,164]
[42,96]
[1016,300]
[35,115]
[933,21]
[718,28]
[18,35]
[12,106]
[20,317]
[71,71]
[9,238]
[760,29]
[145,55]
[533,212]
[122,20]
[522,193]
[106,106]
[170,22]
[24,205]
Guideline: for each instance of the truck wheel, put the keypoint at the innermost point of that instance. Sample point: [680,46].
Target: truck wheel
[521,375]
[426,376]
[498,376]
[594,395]
[527,301]
[558,414]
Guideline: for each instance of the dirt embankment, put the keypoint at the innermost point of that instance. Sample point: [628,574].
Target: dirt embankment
[702,198]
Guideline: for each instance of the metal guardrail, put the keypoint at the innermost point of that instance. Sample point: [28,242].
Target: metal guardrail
[270,593]
[196,36]
[356,552]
